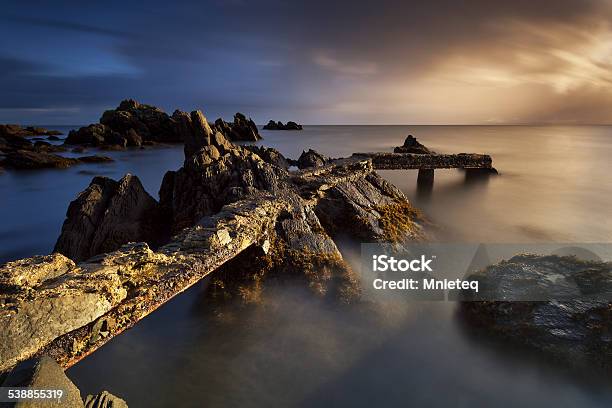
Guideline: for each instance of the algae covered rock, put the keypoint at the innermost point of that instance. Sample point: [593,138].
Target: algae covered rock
[558,305]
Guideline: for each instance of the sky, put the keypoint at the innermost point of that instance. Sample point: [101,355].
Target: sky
[315,62]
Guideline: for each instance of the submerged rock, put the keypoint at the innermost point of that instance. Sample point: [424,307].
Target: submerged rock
[411,145]
[557,305]
[107,215]
[272,125]
[31,160]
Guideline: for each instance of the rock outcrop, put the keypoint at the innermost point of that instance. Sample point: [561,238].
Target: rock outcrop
[241,129]
[134,124]
[45,374]
[557,305]
[107,215]
[20,131]
[226,203]
[311,158]
[411,145]
[272,125]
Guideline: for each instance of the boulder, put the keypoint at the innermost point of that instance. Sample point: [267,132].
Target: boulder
[104,400]
[94,134]
[44,373]
[107,215]
[559,306]
[411,145]
[311,158]
[54,138]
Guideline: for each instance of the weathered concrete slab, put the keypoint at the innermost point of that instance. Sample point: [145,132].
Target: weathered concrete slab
[399,161]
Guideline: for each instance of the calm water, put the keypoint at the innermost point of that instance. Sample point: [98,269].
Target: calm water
[294,350]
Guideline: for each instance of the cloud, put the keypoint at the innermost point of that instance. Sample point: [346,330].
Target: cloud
[326,62]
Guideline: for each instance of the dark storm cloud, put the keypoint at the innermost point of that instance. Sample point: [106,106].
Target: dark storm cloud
[317,61]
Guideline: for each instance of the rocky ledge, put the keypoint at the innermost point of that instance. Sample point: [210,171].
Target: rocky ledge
[558,306]
[20,131]
[272,125]
[226,204]
[136,124]
[45,374]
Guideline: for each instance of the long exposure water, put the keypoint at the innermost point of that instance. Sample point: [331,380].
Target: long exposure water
[294,349]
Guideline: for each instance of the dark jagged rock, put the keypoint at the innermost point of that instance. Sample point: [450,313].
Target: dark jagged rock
[270,155]
[411,145]
[136,124]
[241,129]
[107,215]
[94,134]
[54,138]
[574,325]
[20,131]
[45,374]
[149,122]
[272,125]
[311,158]
[212,177]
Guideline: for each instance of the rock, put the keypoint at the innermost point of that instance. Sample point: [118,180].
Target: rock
[33,271]
[411,145]
[95,159]
[370,209]
[280,126]
[94,135]
[44,373]
[78,149]
[19,131]
[133,138]
[107,215]
[54,138]
[209,180]
[573,326]
[149,122]
[47,147]
[269,155]
[242,129]
[104,400]
[311,158]
[35,315]
[30,160]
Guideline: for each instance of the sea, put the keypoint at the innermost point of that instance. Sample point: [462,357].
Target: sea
[296,350]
